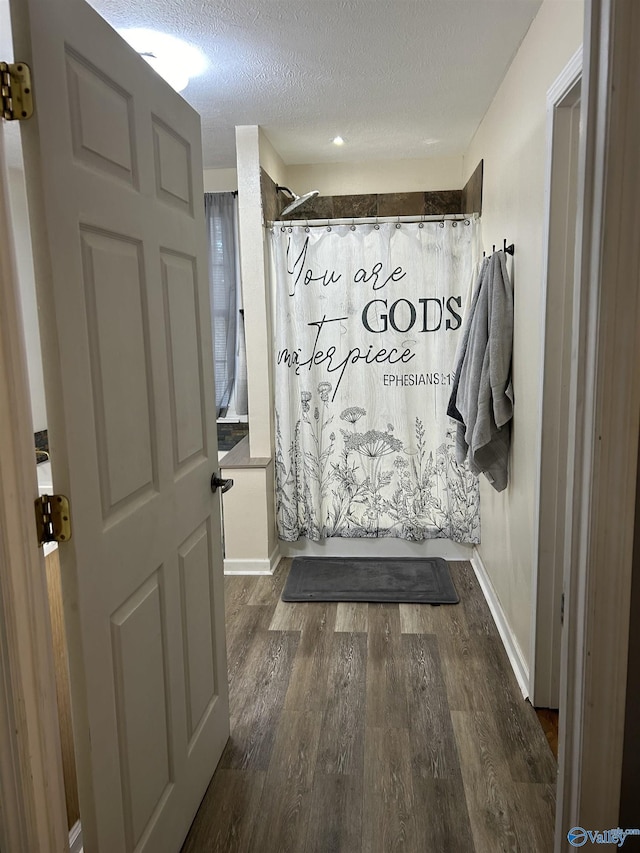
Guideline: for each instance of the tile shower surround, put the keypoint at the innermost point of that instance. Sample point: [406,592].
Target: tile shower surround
[428,203]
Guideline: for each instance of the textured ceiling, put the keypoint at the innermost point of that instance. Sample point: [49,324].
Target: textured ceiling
[395,78]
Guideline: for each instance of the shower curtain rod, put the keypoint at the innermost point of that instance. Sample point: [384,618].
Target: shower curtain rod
[372,220]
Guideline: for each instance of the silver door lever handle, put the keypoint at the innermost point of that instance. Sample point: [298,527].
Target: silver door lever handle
[219,483]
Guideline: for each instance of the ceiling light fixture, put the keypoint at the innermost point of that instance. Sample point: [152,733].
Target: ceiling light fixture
[338,140]
[174,60]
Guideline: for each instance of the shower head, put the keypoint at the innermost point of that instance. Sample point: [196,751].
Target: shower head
[296,200]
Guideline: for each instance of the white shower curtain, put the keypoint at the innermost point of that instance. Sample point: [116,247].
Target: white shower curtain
[367,319]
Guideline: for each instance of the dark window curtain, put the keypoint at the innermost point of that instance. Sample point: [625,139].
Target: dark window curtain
[220,215]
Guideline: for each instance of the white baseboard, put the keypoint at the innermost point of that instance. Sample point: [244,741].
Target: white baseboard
[514,652]
[383,547]
[253,567]
[75,838]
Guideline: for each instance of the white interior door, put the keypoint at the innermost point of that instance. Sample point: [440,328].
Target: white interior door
[114,171]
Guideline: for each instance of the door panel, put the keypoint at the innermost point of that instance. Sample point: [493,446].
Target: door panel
[115,290]
[140,687]
[198,639]
[184,347]
[101,120]
[173,167]
[115,163]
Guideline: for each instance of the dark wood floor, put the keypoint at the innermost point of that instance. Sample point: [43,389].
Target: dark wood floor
[549,720]
[371,728]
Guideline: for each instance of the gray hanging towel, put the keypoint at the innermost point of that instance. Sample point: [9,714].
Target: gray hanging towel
[482,395]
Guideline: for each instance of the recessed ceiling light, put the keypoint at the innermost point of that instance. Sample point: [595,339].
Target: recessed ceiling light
[338,140]
[174,60]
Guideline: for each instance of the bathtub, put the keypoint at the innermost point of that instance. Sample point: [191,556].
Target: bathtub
[45,479]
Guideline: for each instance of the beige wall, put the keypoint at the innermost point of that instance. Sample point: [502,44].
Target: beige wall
[271,161]
[255,296]
[512,141]
[387,176]
[220,180]
[384,176]
[253,494]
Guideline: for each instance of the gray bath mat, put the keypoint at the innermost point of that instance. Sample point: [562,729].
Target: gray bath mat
[407,580]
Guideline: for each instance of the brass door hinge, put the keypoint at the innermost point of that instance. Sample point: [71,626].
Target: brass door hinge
[53,519]
[15,91]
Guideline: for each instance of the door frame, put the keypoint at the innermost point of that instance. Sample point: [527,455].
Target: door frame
[603,426]
[31,779]
[552,449]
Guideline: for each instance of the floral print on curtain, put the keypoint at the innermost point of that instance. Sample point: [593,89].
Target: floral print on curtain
[366,323]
